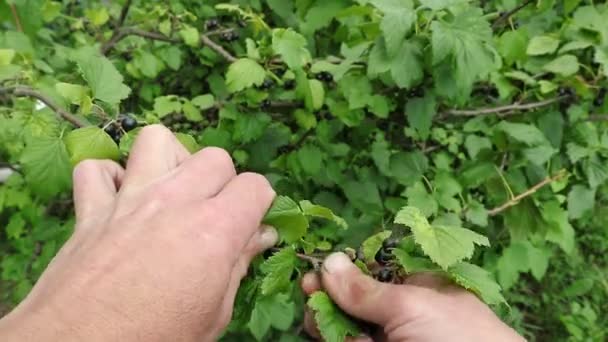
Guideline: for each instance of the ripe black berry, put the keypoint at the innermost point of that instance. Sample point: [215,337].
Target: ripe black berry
[229,36]
[416,92]
[390,243]
[114,133]
[212,24]
[128,123]
[383,256]
[599,100]
[280,72]
[385,275]
[267,84]
[565,91]
[289,84]
[325,76]
[265,104]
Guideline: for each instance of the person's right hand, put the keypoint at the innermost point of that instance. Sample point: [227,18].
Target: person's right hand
[426,308]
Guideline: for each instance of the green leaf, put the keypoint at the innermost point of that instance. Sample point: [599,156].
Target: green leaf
[560,230]
[475,144]
[417,196]
[333,324]
[565,65]
[243,74]
[542,45]
[275,311]
[315,210]
[47,166]
[396,23]
[406,67]
[286,216]
[105,81]
[188,141]
[248,128]
[90,143]
[596,171]
[97,16]
[165,105]
[6,56]
[291,46]
[413,264]
[465,42]
[204,102]
[524,133]
[408,167]
[581,201]
[72,92]
[190,36]
[278,270]
[191,112]
[420,113]
[311,159]
[372,244]
[477,214]
[444,245]
[478,280]
[539,155]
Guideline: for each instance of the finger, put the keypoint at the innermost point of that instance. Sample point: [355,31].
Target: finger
[311,283]
[265,238]
[96,183]
[365,298]
[244,200]
[310,325]
[428,280]
[155,153]
[206,172]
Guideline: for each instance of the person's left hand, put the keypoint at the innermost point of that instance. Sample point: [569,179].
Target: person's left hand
[158,252]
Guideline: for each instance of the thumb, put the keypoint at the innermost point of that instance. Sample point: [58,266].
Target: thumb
[365,298]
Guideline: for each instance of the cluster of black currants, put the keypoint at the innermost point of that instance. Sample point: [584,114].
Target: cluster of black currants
[125,123]
[324,76]
[384,258]
[229,36]
[599,99]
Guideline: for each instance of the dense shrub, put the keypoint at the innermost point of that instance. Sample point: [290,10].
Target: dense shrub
[416,121]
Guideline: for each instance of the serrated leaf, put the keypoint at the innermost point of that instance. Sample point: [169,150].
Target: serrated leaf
[372,245]
[71,92]
[105,81]
[47,165]
[333,324]
[204,102]
[286,216]
[420,113]
[275,311]
[243,74]
[396,23]
[315,210]
[291,46]
[165,105]
[444,245]
[411,264]
[478,280]
[188,141]
[190,36]
[565,65]
[277,271]
[542,45]
[524,133]
[90,143]
[406,67]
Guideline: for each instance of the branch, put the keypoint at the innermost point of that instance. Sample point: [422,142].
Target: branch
[123,14]
[16,17]
[316,262]
[510,13]
[597,117]
[129,31]
[118,30]
[515,107]
[29,92]
[515,200]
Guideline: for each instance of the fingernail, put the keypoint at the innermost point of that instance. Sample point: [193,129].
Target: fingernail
[336,262]
[269,237]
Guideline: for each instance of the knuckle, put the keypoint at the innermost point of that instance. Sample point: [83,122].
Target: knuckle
[219,157]
[85,167]
[258,182]
[153,131]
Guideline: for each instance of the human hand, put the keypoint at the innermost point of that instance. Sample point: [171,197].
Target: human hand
[425,308]
[158,251]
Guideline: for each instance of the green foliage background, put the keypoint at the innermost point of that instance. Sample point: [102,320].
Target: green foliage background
[488,115]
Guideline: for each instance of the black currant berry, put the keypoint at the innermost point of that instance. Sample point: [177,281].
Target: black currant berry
[114,133]
[267,84]
[280,72]
[289,84]
[416,92]
[128,123]
[599,100]
[383,256]
[565,91]
[385,275]
[324,76]
[390,243]
[228,36]
[265,104]
[212,24]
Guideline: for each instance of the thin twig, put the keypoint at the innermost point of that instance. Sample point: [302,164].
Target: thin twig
[7,165]
[21,91]
[515,107]
[16,17]
[314,261]
[129,31]
[510,13]
[218,48]
[515,200]
[597,117]
[117,34]
[123,14]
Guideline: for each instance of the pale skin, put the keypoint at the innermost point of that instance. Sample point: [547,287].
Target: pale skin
[160,248]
